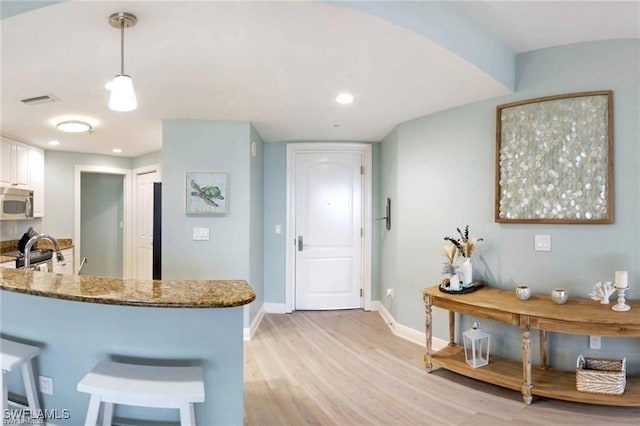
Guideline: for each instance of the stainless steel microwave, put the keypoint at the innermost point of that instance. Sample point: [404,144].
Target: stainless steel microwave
[16,204]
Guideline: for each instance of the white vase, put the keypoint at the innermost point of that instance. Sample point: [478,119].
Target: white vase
[454,282]
[467,272]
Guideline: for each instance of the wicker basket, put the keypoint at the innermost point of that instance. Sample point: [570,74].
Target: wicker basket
[595,375]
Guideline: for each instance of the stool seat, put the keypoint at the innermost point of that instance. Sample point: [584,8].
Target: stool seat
[12,356]
[143,386]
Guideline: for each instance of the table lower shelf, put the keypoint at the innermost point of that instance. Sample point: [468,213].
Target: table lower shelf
[548,383]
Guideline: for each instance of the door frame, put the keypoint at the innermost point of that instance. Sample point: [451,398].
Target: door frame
[126,213]
[367,192]
[134,209]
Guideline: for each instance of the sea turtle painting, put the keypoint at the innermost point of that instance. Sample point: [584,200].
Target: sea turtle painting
[209,194]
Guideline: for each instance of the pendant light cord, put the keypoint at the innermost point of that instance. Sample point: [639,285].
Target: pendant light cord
[122,44]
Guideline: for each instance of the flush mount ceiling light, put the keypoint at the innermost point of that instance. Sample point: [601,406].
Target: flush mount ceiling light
[122,98]
[74,126]
[344,98]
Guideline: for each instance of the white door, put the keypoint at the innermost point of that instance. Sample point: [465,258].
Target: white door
[328,229]
[144,225]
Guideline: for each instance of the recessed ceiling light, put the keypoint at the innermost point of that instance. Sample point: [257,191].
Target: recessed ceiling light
[53,143]
[344,98]
[74,126]
[116,150]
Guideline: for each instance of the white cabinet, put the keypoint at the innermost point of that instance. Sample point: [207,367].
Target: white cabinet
[66,266]
[36,179]
[6,159]
[22,166]
[14,164]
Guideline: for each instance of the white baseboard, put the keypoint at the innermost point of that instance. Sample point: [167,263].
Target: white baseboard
[403,331]
[275,308]
[248,332]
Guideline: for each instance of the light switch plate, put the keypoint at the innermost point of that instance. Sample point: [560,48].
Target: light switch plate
[278,229]
[542,242]
[201,234]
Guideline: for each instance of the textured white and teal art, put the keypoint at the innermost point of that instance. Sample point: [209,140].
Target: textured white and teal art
[553,160]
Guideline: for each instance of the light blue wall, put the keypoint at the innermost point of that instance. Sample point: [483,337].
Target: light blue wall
[441,170]
[74,336]
[147,159]
[101,212]
[275,213]
[256,225]
[59,170]
[389,273]
[234,250]
[195,145]
[9,8]
[205,146]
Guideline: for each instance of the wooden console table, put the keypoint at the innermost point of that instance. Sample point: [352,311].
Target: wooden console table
[577,316]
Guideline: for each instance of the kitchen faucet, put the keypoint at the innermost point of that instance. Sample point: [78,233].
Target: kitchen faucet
[35,239]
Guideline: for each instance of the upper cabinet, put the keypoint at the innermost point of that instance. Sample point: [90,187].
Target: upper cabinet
[15,164]
[22,166]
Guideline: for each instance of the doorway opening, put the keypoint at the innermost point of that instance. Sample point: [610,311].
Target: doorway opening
[102,220]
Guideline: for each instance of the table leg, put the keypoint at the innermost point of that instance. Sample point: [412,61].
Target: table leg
[526,366]
[452,328]
[543,349]
[427,332]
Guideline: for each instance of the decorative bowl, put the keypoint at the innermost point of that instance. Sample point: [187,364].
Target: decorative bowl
[559,296]
[523,292]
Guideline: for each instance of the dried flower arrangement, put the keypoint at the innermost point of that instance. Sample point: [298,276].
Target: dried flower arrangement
[464,244]
[451,254]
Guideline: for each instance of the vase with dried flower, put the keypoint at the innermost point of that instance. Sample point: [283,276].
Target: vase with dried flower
[464,246]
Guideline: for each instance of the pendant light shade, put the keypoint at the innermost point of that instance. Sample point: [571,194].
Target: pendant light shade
[123,97]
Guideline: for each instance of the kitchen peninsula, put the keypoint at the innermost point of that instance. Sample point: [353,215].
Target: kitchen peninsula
[78,321]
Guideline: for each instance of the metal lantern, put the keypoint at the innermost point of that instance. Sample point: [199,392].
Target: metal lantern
[476,346]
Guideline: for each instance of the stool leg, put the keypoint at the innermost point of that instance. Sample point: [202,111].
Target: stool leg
[187,415]
[107,413]
[30,387]
[92,412]
[5,392]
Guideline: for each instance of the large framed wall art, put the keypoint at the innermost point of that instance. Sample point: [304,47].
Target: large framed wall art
[554,160]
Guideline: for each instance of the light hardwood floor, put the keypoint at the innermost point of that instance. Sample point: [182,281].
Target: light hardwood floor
[347,368]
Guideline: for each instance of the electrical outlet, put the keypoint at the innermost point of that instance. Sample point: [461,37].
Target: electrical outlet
[595,342]
[45,385]
[390,293]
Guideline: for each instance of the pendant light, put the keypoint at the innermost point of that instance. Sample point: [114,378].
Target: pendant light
[122,98]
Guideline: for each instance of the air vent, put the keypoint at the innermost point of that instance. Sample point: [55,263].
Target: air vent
[39,100]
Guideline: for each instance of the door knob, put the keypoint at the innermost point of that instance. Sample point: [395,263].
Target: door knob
[301,244]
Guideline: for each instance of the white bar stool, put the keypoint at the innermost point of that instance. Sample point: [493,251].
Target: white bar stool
[13,355]
[142,386]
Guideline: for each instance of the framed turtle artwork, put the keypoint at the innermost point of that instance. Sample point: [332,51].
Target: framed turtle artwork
[206,193]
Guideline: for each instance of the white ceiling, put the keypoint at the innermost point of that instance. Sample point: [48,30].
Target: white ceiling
[279,65]
[532,25]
